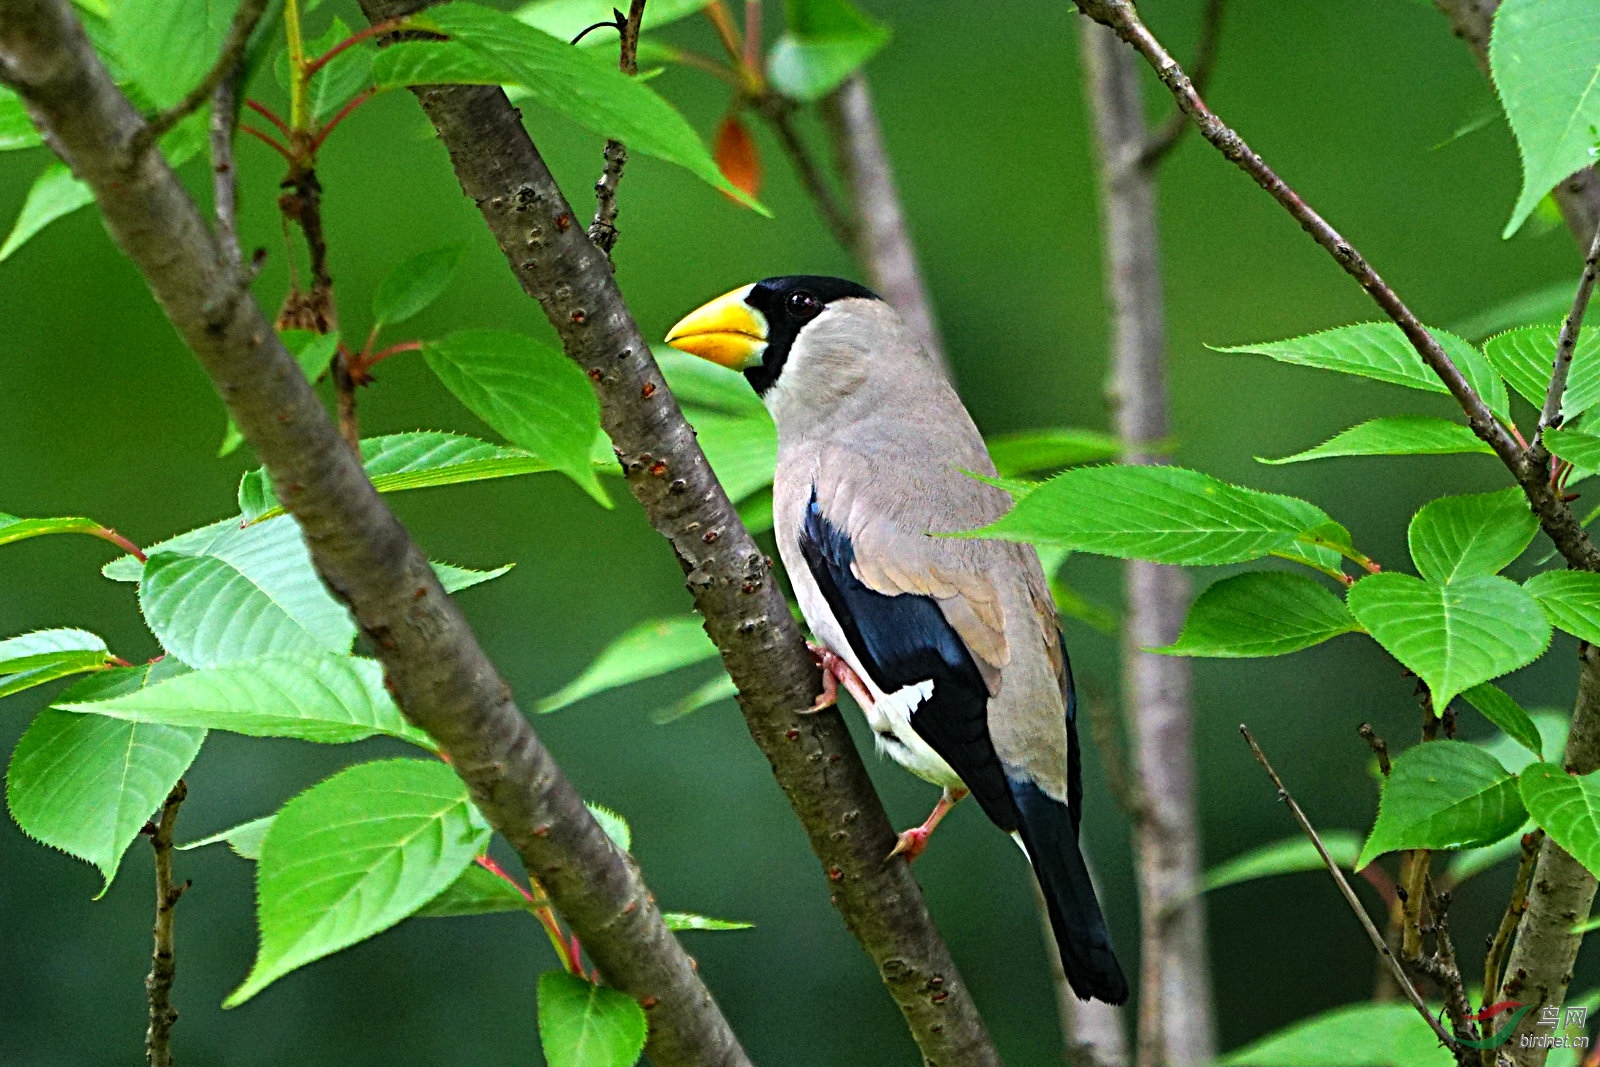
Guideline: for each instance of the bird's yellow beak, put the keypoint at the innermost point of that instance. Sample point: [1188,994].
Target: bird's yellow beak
[727,331]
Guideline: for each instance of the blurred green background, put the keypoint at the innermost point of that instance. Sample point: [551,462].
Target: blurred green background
[103,413]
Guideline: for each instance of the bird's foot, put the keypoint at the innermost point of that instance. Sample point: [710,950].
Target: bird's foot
[834,671]
[913,841]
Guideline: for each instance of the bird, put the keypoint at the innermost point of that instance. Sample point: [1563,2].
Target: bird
[952,646]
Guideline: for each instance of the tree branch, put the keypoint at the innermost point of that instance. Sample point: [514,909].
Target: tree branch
[1349,895]
[224,177]
[1578,196]
[1175,1008]
[1550,415]
[1539,968]
[433,665]
[882,242]
[603,230]
[779,112]
[232,53]
[163,958]
[745,614]
[1554,515]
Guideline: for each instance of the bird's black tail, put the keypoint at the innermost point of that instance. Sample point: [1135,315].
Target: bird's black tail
[1051,838]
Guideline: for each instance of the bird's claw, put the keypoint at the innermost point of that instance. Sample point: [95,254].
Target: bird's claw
[911,843]
[834,671]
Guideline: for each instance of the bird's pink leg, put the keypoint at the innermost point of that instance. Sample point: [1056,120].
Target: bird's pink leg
[913,841]
[834,671]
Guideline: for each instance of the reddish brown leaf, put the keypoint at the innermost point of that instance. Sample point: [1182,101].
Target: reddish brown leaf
[736,154]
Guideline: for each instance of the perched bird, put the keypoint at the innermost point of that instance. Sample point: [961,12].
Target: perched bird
[951,646]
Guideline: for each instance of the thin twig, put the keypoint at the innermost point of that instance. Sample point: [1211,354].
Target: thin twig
[1553,513]
[603,230]
[233,45]
[224,177]
[779,113]
[1500,945]
[1349,894]
[1443,969]
[1414,903]
[1165,139]
[163,962]
[1376,743]
[1550,415]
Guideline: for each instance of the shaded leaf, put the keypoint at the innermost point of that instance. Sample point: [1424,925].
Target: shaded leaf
[615,826]
[355,854]
[1443,795]
[1548,303]
[454,579]
[1478,533]
[1543,55]
[1471,862]
[1046,450]
[1493,703]
[1359,1035]
[529,392]
[1452,636]
[1261,613]
[565,19]
[1379,350]
[1402,435]
[314,697]
[585,1025]
[703,384]
[1525,358]
[719,687]
[1576,447]
[1289,856]
[683,920]
[824,42]
[476,892]
[415,283]
[648,650]
[245,839]
[742,450]
[343,76]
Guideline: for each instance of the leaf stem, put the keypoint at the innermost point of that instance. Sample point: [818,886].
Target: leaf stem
[271,116]
[267,139]
[344,113]
[386,26]
[299,112]
[106,533]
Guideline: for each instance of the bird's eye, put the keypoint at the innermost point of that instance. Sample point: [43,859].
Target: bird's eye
[802,305]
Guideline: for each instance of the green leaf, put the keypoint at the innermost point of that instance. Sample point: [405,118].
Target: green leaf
[86,785]
[683,920]
[312,350]
[16,128]
[1289,856]
[1402,435]
[1162,514]
[742,449]
[1525,358]
[311,696]
[1568,807]
[1452,636]
[700,383]
[245,839]
[43,656]
[489,47]
[355,854]
[1479,533]
[415,283]
[1514,756]
[648,650]
[454,579]
[585,1025]
[1544,55]
[1261,613]
[529,392]
[565,19]
[343,76]
[1048,450]
[209,611]
[1571,599]
[615,826]
[1493,704]
[54,194]
[1548,303]
[1359,1035]
[402,461]
[1443,795]
[719,687]
[824,43]
[1379,350]
[168,45]
[1576,447]
[476,892]
[1471,862]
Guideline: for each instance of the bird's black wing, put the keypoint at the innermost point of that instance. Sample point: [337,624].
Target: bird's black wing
[904,640]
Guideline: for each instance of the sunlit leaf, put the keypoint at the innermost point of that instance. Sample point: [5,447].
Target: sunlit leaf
[1526,356]
[648,650]
[1572,601]
[1368,1034]
[245,839]
[682,920]
[1261,613]
[1046,450]
[565,19]
[1289,856]
[615,826]
[16,129]
[585,1025]
[1444,795]
[1402,435]
[355,854]
[1493,704]
[415,283]
[824,42]
[168,45]
[1479,533]
[476,892]
[1568,807]
[43,656]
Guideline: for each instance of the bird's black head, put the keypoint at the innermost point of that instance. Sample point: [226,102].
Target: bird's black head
[788,303]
